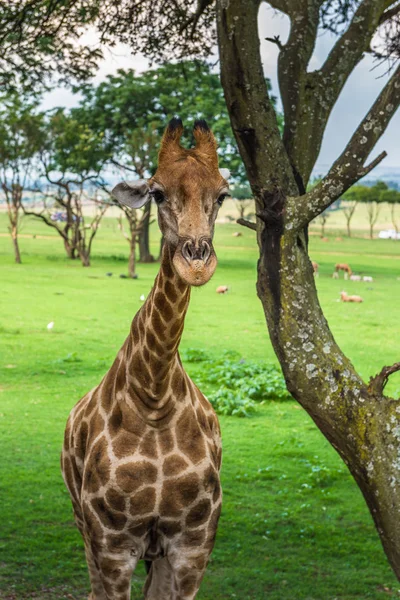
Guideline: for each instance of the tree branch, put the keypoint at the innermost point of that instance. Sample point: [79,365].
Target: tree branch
[309,98]
[389,14]
[348,168]
[377,384]
[246,223]
[275,40]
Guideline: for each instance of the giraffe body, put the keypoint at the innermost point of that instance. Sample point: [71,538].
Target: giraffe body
[142,450]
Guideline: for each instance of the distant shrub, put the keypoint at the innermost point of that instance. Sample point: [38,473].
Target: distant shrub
[241,383]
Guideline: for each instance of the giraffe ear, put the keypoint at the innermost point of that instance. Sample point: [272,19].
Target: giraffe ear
[134,194]
[225,173]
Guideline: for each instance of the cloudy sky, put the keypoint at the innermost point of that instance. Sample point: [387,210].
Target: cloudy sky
[356,98]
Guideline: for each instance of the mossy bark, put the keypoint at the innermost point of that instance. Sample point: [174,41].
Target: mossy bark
[358,420]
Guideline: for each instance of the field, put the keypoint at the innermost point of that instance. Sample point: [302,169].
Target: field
[294,525]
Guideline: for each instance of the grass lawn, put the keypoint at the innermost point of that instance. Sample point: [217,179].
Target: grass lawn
[294,525]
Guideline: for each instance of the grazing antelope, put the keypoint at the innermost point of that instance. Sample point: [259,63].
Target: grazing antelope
[342,267]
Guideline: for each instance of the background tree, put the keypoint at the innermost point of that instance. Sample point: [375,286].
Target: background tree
[392,197]
[20,138]
[351,198]
[72,157]
[372,197]
[355,416]
[132,111]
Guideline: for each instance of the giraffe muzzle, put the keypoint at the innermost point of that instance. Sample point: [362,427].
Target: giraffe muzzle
[192,251]
[195,260]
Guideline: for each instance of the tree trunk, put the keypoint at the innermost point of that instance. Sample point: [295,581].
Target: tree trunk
[69,249]
[144,237]
[14,236]
[348,228]
[361,424]
[371,231]
[85,258]
[132,257]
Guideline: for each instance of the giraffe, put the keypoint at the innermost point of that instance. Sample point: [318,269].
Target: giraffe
[142,450]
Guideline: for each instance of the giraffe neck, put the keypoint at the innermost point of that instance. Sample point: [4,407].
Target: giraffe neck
[154,371]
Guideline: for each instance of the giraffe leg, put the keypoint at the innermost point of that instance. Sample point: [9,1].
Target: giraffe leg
[188,569]
[160,580]
[114,573]
[97,588]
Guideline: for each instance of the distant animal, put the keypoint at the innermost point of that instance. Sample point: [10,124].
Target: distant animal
[315,267]
[367,278]
[342,267]
[345,298]
[325,239]
[355,277]
[50,326]
[236,233]
[109,274]
[222,289]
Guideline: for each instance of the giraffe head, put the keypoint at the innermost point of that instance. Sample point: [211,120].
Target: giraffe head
[189,189]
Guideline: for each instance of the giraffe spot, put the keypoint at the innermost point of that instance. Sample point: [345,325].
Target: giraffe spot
[131,422]
[178,384]
[212,527]
[168,272]
[150,338]
[189,437]
[92,524]
[178,494]
[110,568]
[142,527]
[96,425]
[146,356]
[81,441]
[115,420]
[163,306]
[115,500]
[194,538]
[188,585]
[211,479]
[156,365]
[143,502]
[203,400]
[118,542]
[181,285]
[199,513]
[138,367]
[157,325]
[202,421]
[182,304]
[67,436]
[67,472]
[108,517]
[176,329]
[170,528]
[97,468]
[131,476]
[166,441]
[148,446]
[171,292]
[125,444]
[173,465]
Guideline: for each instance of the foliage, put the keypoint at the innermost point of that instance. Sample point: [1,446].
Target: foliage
[42,41]
[239,383]
[132,111]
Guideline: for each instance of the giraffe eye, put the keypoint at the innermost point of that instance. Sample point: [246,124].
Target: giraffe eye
[221,198]
[158,196]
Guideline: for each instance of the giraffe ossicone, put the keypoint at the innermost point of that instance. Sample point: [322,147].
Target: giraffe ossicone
[142,450]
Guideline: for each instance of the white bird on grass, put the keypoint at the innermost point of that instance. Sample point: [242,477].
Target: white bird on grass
[142,297]
[50,326]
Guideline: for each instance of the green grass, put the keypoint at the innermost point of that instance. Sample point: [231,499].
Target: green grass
[294,525]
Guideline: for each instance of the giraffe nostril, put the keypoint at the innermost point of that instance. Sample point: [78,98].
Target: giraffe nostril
[188,250]
[205,251]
